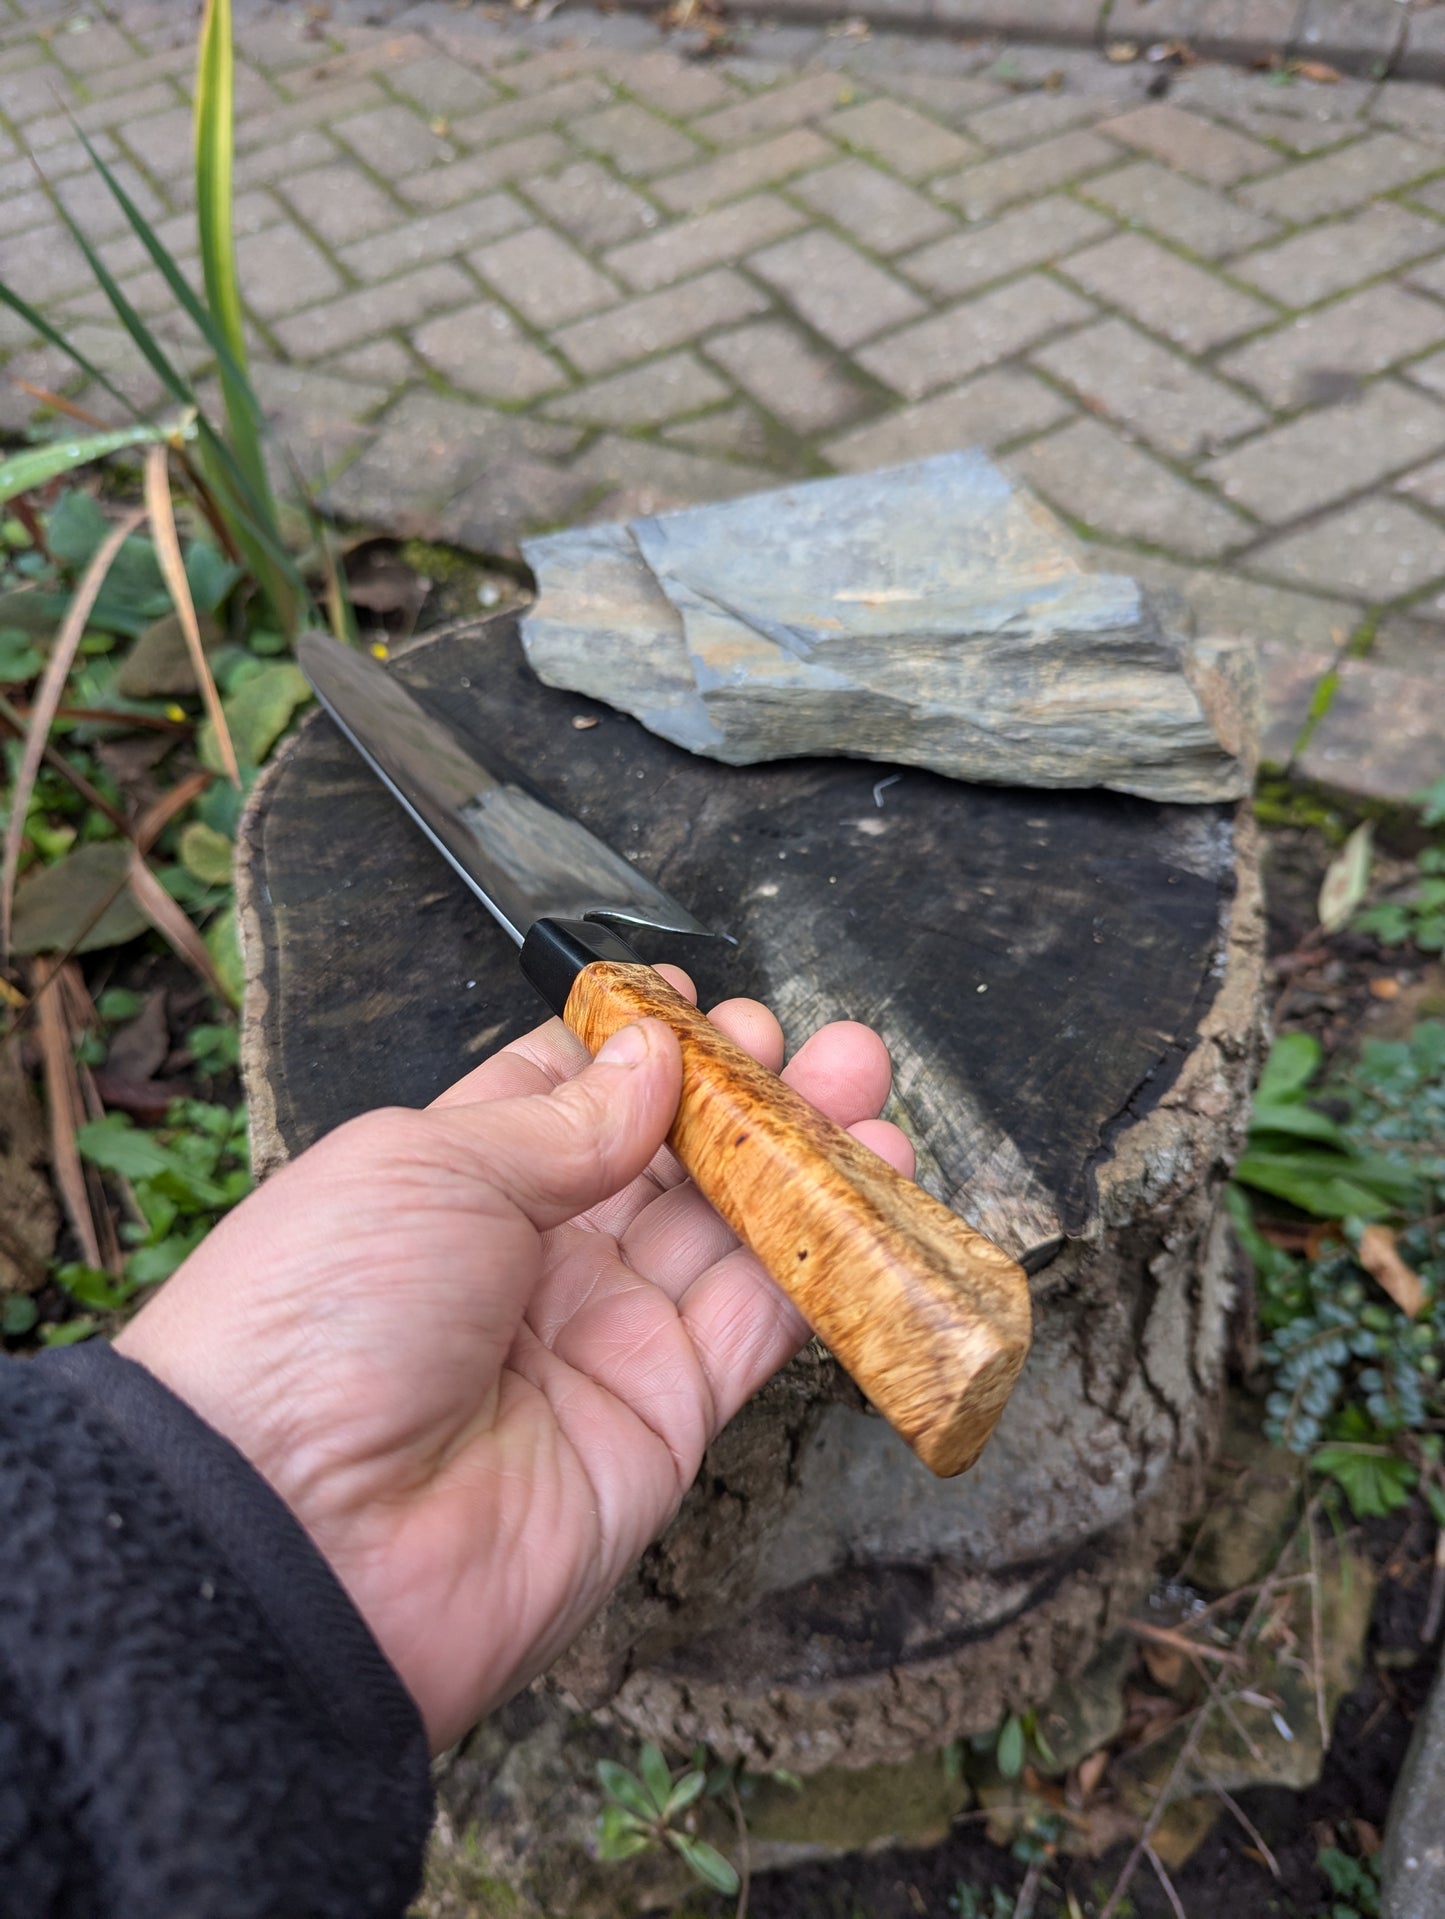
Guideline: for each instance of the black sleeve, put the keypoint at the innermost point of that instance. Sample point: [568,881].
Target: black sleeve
[195,1722]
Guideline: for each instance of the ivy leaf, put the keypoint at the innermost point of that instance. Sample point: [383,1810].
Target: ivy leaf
[706,1861]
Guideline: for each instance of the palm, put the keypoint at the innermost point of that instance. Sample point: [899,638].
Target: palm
[480,1423]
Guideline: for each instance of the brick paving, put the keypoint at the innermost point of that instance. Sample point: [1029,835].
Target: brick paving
[504,276]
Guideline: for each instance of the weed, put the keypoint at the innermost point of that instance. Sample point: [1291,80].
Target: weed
[643,1807]
[1354,1882]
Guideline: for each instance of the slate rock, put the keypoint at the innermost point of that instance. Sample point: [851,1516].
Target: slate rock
[1412,1866]
[934,615]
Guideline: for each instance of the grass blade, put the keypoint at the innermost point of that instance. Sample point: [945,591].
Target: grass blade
[47,700]
[36,465]
[168,552]
[215,156]
[53,337]
[64,1110]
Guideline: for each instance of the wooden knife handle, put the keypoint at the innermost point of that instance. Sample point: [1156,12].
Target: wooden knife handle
[931,1319]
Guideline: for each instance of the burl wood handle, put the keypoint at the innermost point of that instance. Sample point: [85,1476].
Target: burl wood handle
[931,1319]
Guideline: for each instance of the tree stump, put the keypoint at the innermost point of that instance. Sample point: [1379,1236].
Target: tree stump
[1070,984]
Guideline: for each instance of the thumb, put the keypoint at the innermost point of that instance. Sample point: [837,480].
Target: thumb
[555,1154]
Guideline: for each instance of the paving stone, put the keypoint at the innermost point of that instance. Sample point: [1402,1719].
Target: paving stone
[946,349]
[744,170]
[944,95]
[1024,119]
[1093,475]
[513,497]
[1338,182]
[991,184]
[1377,549]
[1289,679]
[314,413]
[297,154]
[100,45]
[1426,484]
[384,363]
[376,310]
[448,186]
[1299,127]
[636,141]
[1164,293]
[340,203]
[901,138]
[482,350]
[43,263]
[871,206]
[788,376]
[1323,260]
[649,478]
[737,432]
[659,321]
[774,111]
[1381,737]
[1413,107]
[281,269]
[1218,601]
[839,293]
[1129,378]
[1350,340]
[1218,155]
[1410,646]
[434,236]
[544,277]
[534,73]
[708,239]
[164,142]
[594,206]
[1423,55]
[396,137]
[1053,20]
[1322,456]
[1432,194]
[90,202]
[1029,236]
[1149,195]
[250,212]
[21,210]
[1430,278]
[1353,34]
[509,120]
[442,86]
[673,86]
[316,110]
[644,395]
[992,411]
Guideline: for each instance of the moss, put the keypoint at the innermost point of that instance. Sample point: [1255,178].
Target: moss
[1280,802]
[911,1804]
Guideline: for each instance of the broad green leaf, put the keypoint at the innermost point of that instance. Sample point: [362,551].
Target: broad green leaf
[1295,1120]
[1346,879]
[158,666]
[19,659]
[17,1315]
[224,947]
[148,1265]
[118,1145]
[625,1789]
[1009,1752]
[707,1862]
[1293,1061]
[257,713]
[38,465]
[63,907]
[656,1776]
[1374,1481]
[90,1287]
[209,574]
[690,1787]
[206,854]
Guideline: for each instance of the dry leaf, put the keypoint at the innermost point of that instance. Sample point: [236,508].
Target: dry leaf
[1346,878]
[1380,1257]
[65,1111]
[1317,70]
[171,923]
[168,553]
[1385,988]
[1092,1770]
[1165,1665]
[1121,52]
[47,704]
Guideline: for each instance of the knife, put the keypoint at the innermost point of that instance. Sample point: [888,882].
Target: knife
[931,1319]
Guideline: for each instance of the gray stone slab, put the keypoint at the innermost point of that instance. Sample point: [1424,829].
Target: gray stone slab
[1164,398]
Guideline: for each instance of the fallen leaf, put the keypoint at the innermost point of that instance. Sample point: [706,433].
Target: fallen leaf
[1380,1257]
[170,922]
[583,722]
[1092,1770]
[1165,1665]
[28,1220]
[80,904]
[1346,879]
[1121,52]
[1317,70]
[1385,988]
[138,1048]
[159,662]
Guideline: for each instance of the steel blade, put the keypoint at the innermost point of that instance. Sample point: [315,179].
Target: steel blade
[524,858]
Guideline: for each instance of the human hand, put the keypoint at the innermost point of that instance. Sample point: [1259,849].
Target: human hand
[479,1350]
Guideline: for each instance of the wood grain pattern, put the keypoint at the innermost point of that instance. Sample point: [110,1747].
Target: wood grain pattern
[930,1318]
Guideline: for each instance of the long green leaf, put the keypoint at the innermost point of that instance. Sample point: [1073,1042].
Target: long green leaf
[57,339]
[37,465]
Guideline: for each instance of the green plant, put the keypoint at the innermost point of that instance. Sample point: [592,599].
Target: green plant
[1354,1330]
[1354,1882]
[643,1806]
[969,1903]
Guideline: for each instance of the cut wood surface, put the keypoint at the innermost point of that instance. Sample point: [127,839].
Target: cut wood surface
[1070,985]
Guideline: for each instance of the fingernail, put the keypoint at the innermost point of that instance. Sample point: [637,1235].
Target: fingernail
[625,1048]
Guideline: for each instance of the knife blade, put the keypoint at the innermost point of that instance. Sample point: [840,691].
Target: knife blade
[931,1319]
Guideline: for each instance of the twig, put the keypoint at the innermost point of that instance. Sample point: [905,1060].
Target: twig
[63,1109]
[1180,1642]
[1157,1810]
[745,1873]
[1028,1896]
[1317,1658]
[1166,1882]
[1249,1826]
